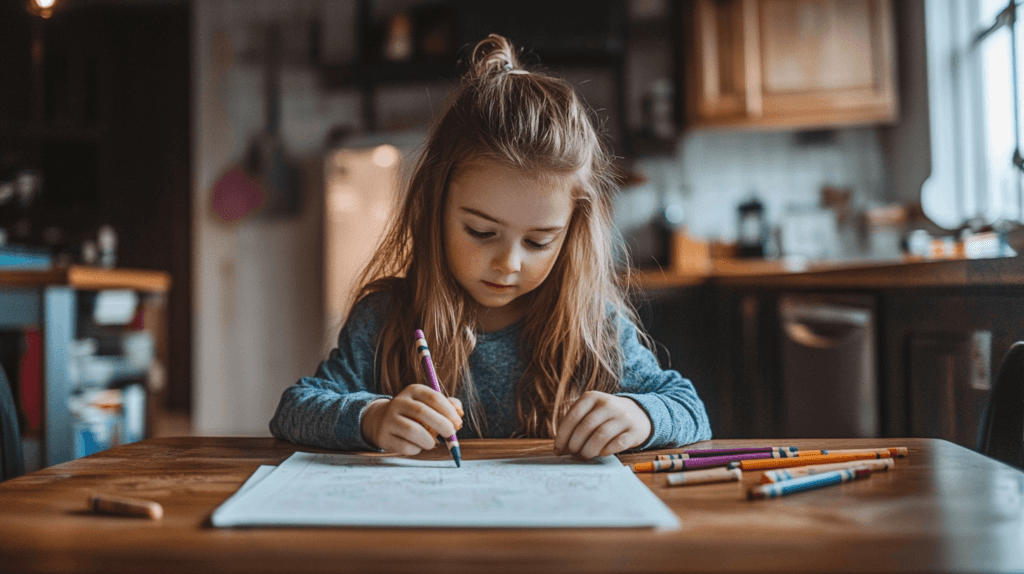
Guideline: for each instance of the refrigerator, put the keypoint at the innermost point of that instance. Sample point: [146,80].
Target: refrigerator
[364,176]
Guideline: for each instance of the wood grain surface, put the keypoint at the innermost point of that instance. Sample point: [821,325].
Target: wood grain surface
[85,277]
[942,509]
[863,274]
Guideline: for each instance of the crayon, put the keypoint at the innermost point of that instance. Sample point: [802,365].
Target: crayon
[663,465]
[697,452]
[704,476]
[796,472]
[804,460]
[894,451]
[810,482]
[424,351]
[775,452]
[693,463]
[104,504]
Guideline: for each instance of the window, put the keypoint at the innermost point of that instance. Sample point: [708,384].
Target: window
[975,112]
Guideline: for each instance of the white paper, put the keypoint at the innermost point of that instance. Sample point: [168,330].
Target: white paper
[351,490]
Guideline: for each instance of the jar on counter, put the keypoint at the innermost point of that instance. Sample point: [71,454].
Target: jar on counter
[752,233]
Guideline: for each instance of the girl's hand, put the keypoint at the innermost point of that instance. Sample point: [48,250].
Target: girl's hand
[602,424]
[408,423]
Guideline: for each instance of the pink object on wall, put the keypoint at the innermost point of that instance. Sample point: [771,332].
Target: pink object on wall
[236,194]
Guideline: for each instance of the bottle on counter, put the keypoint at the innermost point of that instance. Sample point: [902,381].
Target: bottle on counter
[106,241]
[752,236]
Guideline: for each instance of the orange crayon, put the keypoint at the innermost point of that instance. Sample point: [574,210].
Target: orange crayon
[643,467]
[767,463]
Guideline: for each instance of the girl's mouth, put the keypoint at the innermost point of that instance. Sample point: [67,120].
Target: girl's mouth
[497,287]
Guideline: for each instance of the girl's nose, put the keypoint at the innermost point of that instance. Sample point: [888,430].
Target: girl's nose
[507,261]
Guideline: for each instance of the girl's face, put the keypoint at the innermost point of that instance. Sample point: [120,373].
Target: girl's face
[502,232]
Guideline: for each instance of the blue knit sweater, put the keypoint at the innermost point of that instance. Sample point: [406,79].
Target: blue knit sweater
[325,410]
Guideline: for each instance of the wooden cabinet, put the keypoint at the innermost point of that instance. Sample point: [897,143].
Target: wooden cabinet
[942,351]
[790,63]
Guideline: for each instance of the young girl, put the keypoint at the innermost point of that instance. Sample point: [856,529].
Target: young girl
[502,254]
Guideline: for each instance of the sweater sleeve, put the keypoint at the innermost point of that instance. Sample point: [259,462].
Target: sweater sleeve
[677,414]
[325,410]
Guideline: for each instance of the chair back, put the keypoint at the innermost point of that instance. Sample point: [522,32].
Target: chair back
[12,460]
[1001,434]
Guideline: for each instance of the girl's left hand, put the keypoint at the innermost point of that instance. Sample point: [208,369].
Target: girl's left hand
[602,424]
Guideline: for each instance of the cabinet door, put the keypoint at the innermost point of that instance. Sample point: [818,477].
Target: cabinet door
[940,352]
[791,63]
[826,61]
[721,79]
[943,402]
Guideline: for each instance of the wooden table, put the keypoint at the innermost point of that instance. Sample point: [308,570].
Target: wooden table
[944,508]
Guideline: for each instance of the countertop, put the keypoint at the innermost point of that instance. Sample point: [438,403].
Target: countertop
[856,274]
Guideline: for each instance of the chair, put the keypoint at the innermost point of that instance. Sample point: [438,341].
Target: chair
[1001,434]
[12,460]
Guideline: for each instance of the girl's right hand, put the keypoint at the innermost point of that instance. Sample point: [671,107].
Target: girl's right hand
[408,423]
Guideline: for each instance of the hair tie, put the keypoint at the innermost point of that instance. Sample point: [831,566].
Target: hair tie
[508,66]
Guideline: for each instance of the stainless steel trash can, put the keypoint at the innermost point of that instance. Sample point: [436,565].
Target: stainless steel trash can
[828,362]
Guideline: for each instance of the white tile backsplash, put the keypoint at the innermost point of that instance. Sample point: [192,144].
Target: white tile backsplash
[713,171]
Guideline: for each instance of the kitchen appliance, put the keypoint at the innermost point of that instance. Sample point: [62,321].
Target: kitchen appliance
[752,230]
[829,384]
[364,176]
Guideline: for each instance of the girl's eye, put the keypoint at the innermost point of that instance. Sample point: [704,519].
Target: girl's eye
[538,246]
[479,234]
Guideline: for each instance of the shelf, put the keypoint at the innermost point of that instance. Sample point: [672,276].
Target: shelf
[84,277]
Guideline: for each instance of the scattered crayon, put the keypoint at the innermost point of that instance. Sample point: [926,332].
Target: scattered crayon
[693,463]
[810,482]
[799,471]
[894,451]
[704,476]
[804,460]
[663,464]
[120,505]
[701,452]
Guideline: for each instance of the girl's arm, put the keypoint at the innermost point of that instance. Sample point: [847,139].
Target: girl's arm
[677,414]
[325,410]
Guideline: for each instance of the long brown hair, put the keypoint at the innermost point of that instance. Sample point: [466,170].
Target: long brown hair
[531,121]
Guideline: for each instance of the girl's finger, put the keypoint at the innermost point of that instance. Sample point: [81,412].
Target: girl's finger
[437,402]
[567,427]
[601,436]
[429,430]
[412,431]
[428,417]
[458,407]
[626,439]
[590,424]
[399,444]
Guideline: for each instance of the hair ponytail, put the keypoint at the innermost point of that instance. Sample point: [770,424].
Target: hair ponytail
[491,57]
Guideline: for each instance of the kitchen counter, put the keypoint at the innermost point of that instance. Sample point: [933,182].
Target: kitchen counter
[849,274]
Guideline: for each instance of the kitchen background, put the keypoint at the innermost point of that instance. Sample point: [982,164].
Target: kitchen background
[148,116]
[279,310]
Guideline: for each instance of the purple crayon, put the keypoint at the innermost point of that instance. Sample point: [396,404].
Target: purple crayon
[705,452]
[421,347]
[673,464]
[692,463]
